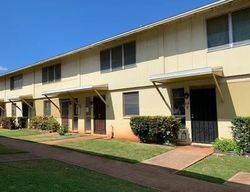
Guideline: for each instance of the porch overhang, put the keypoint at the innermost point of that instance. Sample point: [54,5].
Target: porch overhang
[192,74]
[69,91]
[187,74]
[76,89]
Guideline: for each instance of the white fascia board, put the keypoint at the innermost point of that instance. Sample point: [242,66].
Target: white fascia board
[187,73]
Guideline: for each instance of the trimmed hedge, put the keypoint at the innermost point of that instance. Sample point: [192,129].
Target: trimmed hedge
[22,122]
[156,129]
[63,130]
[241,134]
[44,123]
[9,123]
[225,145]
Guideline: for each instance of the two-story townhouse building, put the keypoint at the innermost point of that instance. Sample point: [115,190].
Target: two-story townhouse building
[194,65]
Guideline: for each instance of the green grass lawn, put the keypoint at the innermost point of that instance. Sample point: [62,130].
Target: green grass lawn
[8,150]
[52,137]
[19,132]
[217,169]
[54,176]
[117,149]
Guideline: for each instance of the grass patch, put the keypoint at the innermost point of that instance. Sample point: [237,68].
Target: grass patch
[19,132]
[8,150]
[217,169]
[117,149]
[52,137]
[54,176]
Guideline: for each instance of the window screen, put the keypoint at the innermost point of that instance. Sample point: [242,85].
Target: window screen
[116,54]
[131,103]
[51,73]
[16,82]
[129,53]
[241,25]
[105,60]
[218,31]
[47,108]
[179,105]
[58,72]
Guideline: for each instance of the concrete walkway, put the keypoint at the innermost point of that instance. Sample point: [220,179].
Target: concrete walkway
[143,174]
[181,157]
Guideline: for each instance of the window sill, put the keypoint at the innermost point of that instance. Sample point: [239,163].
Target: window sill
[118,69]
[16,89]
[50,82]
[228,46]
[129,117]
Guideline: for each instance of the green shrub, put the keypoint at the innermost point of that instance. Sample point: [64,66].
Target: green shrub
[9,123]
[158,129]
[241,134]
[22,122]
[44,123]
[63,130]
[225,145]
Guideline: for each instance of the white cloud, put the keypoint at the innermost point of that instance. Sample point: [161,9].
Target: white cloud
[2,68]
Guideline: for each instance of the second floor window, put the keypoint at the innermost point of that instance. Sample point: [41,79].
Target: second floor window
[118,57]
[16,82]
[229,29]
[51,73]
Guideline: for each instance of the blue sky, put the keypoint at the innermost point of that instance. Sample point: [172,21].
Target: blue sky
[32,30]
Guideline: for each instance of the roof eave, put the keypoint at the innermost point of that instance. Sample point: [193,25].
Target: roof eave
[134,31]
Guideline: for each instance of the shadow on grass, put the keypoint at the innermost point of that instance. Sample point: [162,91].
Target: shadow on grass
[201,177]
[132,161]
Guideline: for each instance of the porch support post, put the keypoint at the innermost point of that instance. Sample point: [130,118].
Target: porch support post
[15,105]
[101,97]
[53,103]
[23,100]
[218,88]
[163,98]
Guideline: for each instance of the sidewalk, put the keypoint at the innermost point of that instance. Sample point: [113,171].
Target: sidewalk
[143,174]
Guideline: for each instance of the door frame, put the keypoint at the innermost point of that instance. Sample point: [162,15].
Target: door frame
[216,110]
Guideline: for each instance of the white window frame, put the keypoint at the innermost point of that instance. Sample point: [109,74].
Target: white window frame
[231,44]
[123,104]
[123,60]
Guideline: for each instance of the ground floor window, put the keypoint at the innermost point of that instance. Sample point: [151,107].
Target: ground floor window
[131,103]
[179,105]
[47,108]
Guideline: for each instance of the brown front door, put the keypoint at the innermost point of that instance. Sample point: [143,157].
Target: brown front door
[99,116]
[65,112]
